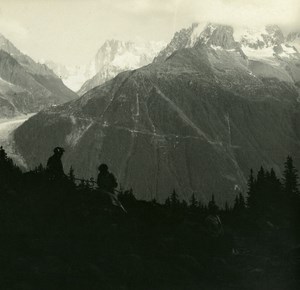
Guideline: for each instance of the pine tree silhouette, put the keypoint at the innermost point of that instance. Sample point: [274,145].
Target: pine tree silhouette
[242,203]
[291,189]
[256,192]
[9,173]
[212,206]
[290,180]
[226,207]
[174,200]
[251,190]
[193,202]
[239,203]
[236,202]
[183,204]
[71,175]
[168,202]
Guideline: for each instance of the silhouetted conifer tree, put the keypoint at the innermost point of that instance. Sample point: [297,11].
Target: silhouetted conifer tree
[3,155]
[71,175]
[9,172]
[193,202]
[226,207]
[168,202]
[290,180]
[154,201]
[212,206]
[202,206]
[82,184]
[251,190]
[274,197]
[261,175]
[239,203]
[256,191]
[183,204]
[174,199]
[291,189]
[236,202]
[242,204]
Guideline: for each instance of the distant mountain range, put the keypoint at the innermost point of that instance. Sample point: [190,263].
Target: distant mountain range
[27,86]
[214,103]
[265,43]
[116,56]
[113,57]
[72,76]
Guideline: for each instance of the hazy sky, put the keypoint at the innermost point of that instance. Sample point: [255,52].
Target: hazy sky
[71,31]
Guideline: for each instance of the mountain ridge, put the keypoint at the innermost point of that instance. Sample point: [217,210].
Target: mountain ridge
[226,37]
[27,86]
[195,120]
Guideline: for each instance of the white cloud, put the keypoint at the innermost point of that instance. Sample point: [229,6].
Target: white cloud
[232,12]
[71,31]
[12,28]
[244,12]
[146,6]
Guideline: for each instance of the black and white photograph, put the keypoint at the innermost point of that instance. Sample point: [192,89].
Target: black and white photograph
[149,144]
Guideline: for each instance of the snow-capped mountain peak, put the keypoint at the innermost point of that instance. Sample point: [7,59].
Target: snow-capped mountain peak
[218,35]
[113,57]
[125,54]
[267,43]
[259,38]
[209,34]
[116,56]
[255,43]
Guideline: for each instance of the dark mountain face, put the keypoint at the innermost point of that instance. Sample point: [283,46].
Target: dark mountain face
[197,122]
[27,86]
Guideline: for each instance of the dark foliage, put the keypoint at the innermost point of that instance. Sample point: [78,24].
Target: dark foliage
[66,234]
[273,200]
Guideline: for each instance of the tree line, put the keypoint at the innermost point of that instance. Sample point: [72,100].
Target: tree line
[267,194]
[63,233]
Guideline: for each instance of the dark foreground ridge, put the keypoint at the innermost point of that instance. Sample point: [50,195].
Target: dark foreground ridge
[57,233]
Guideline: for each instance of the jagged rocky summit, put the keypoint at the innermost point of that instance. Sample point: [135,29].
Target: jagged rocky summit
[116,56]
